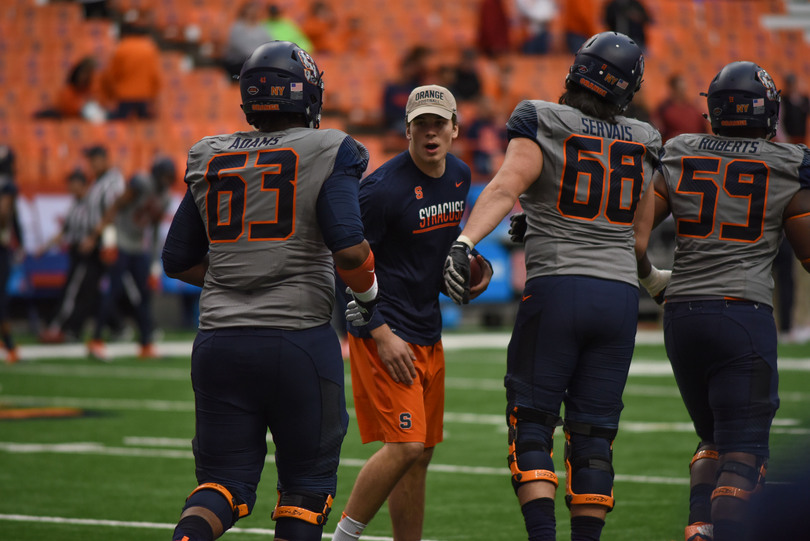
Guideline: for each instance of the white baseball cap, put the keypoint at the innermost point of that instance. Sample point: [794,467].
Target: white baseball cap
[430,99]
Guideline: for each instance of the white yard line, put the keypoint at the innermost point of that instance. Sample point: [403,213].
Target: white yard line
[145,525]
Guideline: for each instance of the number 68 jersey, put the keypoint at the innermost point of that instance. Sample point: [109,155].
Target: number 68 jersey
[728,196]
[581,209]
[270,263]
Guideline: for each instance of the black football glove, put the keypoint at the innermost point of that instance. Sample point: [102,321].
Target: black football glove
[517,227]
[358,312]
[457,273]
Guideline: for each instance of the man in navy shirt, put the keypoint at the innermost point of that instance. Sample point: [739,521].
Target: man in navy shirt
[411,208]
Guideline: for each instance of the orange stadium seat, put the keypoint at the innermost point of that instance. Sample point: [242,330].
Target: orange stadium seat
[38,41]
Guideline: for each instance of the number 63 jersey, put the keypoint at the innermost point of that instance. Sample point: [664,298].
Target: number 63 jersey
[728,196]
[258,197]
[581,209]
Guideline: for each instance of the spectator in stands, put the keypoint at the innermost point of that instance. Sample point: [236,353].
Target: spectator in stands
[354,38]
[136,215]
[79,96]
[466,80]
[487,138]
[795,109]
[493,28]
[638,108]
[282,28]
[131,79]
[413,71]
[579,21]
[9,238]
[95,9]
[678,114]
[247,32]
[537,15]
[630,18]
[322,27]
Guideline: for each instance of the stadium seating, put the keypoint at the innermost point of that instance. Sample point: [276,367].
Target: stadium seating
[39,42]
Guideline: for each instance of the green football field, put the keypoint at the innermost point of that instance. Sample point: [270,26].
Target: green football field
[119,466]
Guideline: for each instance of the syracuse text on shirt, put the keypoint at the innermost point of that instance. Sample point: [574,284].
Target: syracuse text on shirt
[443,215]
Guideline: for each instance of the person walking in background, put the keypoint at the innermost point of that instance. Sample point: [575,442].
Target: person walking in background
[397,358]
[678,114]
[719,329]
[10,238]
[79,296]
[582,173]
[98,247]
[261,230]
[136,216]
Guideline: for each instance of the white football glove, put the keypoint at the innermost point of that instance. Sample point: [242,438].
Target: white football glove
[656,283]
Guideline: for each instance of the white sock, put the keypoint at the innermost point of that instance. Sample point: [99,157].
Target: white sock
[348,529]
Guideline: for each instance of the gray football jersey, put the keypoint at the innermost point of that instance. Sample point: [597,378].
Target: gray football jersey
[580,211]
[257,195]
[135,222]
[728,196]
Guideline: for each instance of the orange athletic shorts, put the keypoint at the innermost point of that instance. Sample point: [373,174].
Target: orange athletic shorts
[396,412]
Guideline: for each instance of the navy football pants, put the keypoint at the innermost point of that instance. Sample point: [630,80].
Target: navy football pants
[247,380]
[572,343]
[723,354]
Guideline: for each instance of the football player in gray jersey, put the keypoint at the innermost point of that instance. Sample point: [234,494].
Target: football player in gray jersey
[267,216]
[582,173]
[731,196]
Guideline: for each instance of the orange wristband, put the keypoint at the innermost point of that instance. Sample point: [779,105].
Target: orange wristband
[360,279]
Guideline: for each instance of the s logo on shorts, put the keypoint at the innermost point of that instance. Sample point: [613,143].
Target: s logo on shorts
[405,421]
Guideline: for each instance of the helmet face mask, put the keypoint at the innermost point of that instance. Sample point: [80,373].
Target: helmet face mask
[610,65]
[279,76]
[743,95]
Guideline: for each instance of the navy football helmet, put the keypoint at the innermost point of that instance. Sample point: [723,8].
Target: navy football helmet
[280,76]
[611,65]
[742,94]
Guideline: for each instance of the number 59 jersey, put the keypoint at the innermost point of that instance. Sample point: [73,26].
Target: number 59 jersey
[728,196]
[257,194]
[581,209]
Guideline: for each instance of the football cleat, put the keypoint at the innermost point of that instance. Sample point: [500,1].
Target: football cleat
[147,351]
[699,531]
[97,350]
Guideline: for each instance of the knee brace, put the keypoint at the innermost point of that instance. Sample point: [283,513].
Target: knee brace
[531,435]
[589,464]
[306,506]
[219,500]
[754,474]
[703,453]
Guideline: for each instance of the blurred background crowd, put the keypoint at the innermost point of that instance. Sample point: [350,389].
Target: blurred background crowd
[142,80]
